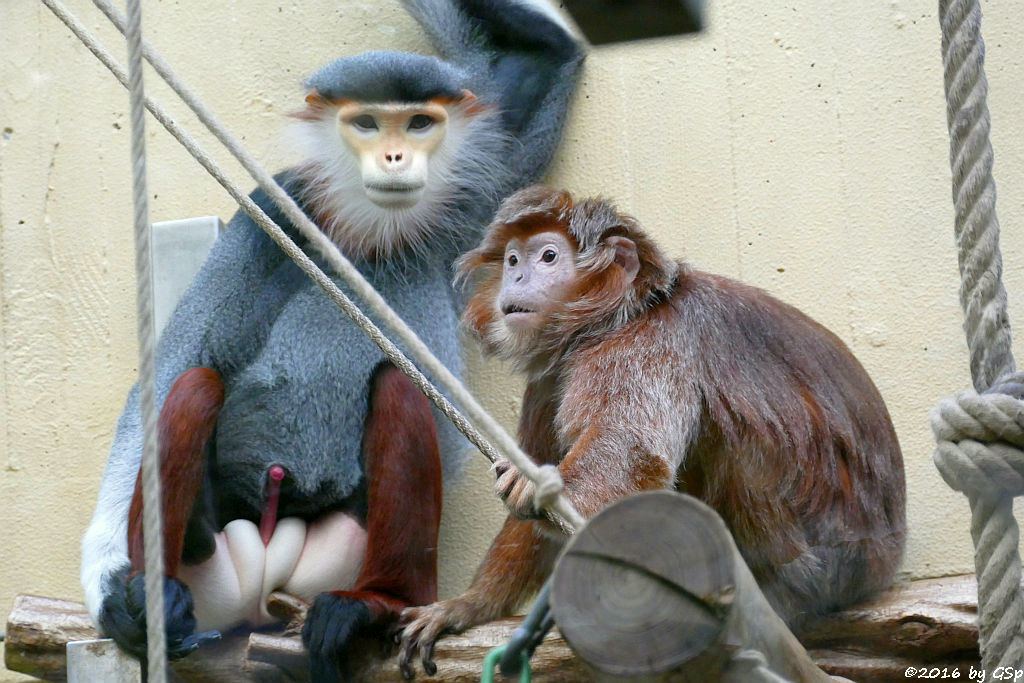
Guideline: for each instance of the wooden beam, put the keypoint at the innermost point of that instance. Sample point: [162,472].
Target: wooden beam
[653,586]
[929,623]
[924,623]
[101,660]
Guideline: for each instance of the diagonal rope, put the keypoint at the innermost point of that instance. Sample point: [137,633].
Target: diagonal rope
[979,444]
[156,643]
[546,478]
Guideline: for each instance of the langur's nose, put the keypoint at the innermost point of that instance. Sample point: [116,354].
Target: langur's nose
[392,160]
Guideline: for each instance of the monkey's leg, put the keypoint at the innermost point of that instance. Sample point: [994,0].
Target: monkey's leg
[517,563]
[186,423]
[403,470]
[187,420]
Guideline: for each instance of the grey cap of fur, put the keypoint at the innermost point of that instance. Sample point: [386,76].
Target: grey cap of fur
[384,76]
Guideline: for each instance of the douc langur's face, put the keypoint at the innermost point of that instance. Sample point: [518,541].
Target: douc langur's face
[393,143]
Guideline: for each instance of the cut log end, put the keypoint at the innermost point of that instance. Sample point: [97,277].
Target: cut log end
[634,595]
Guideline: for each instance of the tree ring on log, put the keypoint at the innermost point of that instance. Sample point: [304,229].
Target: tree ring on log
[646,585]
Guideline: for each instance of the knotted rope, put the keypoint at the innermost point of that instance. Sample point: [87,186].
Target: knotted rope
[980,440]
[980,436]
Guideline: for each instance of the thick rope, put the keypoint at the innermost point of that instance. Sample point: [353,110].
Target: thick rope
[979,437]
[561,512]
[980,440]
[974,193]
[156,647]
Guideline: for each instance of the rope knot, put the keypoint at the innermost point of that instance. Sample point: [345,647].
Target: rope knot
[548,485]
[980,440]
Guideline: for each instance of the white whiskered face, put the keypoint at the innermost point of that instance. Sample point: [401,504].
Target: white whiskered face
[538,276]
[379,177]
[394,144]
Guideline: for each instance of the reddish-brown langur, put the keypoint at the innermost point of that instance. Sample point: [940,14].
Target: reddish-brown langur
[643,373]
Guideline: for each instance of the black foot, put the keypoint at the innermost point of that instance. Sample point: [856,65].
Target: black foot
[123,616]
[331,624]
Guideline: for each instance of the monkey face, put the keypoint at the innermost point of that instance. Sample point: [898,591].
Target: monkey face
[393,144]
[538,275]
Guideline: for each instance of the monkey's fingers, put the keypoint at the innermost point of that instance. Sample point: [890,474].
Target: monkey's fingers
[502,466]
[506,482]
[519,498]
[427,657]
[420,633]
[408,639]
[406,618]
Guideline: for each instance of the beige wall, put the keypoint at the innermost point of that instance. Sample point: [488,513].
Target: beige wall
[800,146]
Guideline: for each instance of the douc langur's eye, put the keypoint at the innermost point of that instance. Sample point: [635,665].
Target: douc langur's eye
[513,259]
[548,256]
[364,122]
[420,122]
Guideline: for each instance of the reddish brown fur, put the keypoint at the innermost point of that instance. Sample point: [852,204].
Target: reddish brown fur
[403,469]
[186,422]
[683,379]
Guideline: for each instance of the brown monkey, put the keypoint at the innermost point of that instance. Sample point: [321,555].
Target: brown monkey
[644,373]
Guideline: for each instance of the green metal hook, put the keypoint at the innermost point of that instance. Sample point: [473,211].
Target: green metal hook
[491,663]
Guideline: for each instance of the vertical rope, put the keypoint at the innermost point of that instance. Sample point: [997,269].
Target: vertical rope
[974,193]
[151,522]
[986,325]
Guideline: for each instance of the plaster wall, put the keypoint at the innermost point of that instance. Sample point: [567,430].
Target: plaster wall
[798,145]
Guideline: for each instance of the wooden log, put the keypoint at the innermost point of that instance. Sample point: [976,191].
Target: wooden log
[39,628]
[38,631]
[923,623]
[101,660]
[929,623]
[653,588]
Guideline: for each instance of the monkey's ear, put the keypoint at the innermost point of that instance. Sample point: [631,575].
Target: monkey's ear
[315,99]
[471,102]
[625,254]
[315,106]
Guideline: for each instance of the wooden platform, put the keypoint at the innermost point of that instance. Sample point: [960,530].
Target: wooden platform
[926,623]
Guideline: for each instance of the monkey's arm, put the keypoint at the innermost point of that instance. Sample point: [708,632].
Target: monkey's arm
[525,60]
[516,565]
[519,559]
[629,417]
[601,467]
[213,305]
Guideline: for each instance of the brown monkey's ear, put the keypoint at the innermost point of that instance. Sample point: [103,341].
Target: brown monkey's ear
[625,254]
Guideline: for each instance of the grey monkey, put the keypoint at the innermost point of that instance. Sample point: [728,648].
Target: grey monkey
[293,455]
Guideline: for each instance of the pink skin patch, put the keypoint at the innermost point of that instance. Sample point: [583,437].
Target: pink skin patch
[269,518]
